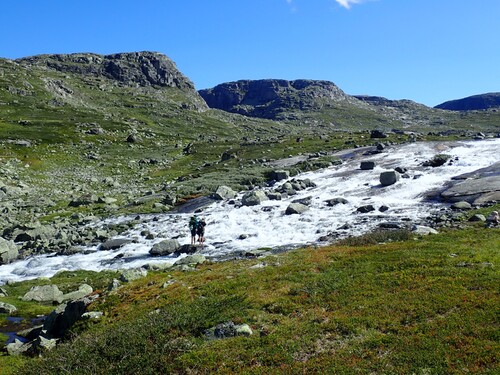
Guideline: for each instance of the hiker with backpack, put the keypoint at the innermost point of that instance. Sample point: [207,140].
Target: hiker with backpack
[200,231]
[193,227]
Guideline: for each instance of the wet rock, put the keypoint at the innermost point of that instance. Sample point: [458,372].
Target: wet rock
[367,165]
[389,178]
[437,161]
[165,247]
[306,201]
[274,196]
[365,209]
[335,201]
[254,198]
[472,190]
[114,244]
[187,249]
[296,208]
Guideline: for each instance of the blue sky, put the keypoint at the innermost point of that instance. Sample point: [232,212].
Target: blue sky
[429,51]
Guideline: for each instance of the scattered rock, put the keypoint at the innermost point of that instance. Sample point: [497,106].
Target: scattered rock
[280,175]
[477,217]
[165,247]
[133,274]
[83,290]
[367,165]
[228,329]
[191,260]
[44,293]
[437,161]
[254,198]
[6,308]
[296,208]
[389,178]
[8,251]
[365,209]
[423,230]
[462,205]
[114,244]
[224,193]
[335,201]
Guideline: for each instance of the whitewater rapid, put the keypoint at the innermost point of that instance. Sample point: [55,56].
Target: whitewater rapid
[233,230]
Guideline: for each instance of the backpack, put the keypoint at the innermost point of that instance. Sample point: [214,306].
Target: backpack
[193,223]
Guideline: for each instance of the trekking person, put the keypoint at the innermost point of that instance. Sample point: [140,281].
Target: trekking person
[200,231]
[193,227]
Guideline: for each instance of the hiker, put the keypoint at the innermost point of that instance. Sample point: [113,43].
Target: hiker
[193,227]
[200,231]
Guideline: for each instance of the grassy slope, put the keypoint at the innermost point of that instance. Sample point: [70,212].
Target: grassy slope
[421,306]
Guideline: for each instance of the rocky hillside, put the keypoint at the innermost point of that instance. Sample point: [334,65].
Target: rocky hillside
[271,98]
[472,103]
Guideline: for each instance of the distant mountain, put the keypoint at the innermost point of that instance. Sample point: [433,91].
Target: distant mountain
[272,98]
[471,103]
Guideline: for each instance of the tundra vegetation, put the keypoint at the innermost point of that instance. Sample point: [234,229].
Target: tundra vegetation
[387,302]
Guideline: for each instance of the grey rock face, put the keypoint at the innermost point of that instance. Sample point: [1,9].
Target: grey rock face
[389,178]
[268,98]
[472,189]
[254,198]
[165,247]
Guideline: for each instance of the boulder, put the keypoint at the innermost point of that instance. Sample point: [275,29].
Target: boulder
[367,165]
[365,209]
[274,195]
[165,247]
[306,201]
[6,308]
[224,192]
[296,208]
[254,198]
[280,175]
[191,260]
[462,205]
[423,230]
[8,251]
[114,244]
[474,189]
[83,290]
[377,134]
[44,293]
[335,201]
[187,249]
[133,274]
[437,161]
[477,217]
[18,347]
[389,178]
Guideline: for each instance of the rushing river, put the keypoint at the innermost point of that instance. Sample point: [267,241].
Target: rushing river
[232,230]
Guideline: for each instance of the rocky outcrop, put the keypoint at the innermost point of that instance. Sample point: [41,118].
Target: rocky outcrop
[135,68]
[268,98]
[470,103]
[165,247]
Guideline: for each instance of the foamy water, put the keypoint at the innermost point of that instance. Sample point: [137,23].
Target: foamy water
[267,226]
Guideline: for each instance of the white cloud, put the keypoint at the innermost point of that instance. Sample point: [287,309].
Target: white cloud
[292,5]
[347,3]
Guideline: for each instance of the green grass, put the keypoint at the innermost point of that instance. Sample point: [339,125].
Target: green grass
[399,308]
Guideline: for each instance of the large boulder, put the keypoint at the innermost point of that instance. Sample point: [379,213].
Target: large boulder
[474,190]
[296,208]
[254,198]
[44,293]
[389,178]
[165,247]
[367,165]
[8,251]
[224,192]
